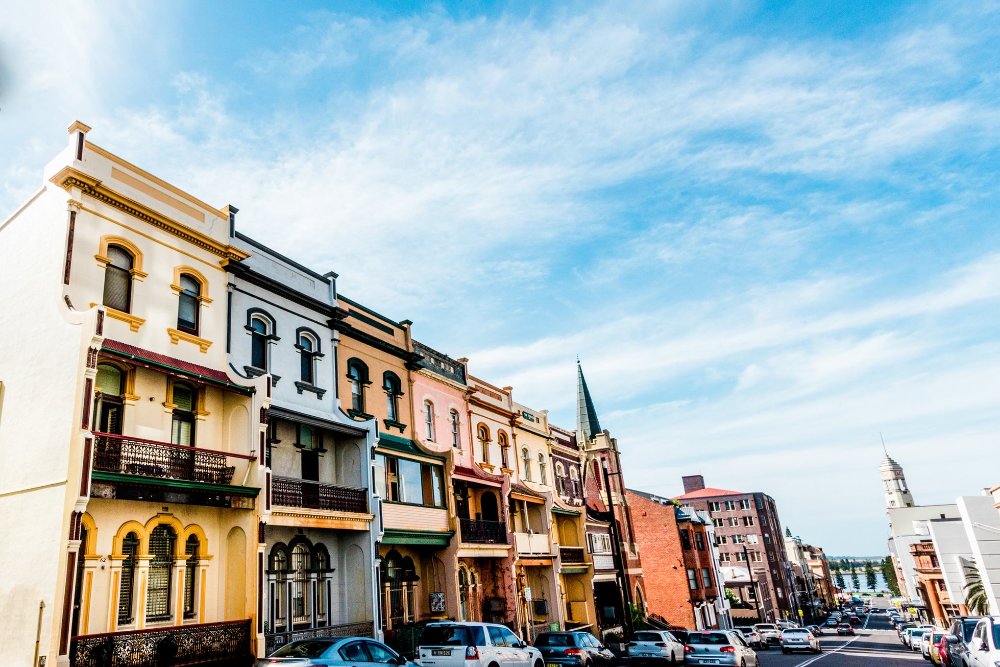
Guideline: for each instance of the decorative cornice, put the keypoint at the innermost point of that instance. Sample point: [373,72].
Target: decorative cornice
[69,178]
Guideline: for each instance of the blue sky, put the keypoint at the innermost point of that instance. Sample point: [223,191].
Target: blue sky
[768,229]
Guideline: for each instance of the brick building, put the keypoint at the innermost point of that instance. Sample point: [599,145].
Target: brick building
[747,527]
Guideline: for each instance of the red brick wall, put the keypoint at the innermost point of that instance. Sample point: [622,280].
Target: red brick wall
[663,569]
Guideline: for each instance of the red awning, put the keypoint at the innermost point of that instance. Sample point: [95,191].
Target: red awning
[170,364]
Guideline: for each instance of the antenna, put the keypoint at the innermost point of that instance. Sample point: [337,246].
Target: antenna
[883,443]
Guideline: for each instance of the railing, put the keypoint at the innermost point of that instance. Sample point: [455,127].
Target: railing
[532,543]
[291,492]
[274,641]
[571,555]
[149,458]
[483,532]
[218,644]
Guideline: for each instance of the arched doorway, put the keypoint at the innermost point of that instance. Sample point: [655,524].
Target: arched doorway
[488,507]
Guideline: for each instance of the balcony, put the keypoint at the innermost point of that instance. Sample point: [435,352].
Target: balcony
[276,640]
[532,543]
[572,555]
[291,492]
[216,644]
[483,532]
[133,466]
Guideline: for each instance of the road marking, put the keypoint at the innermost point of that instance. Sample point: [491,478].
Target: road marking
[826,653]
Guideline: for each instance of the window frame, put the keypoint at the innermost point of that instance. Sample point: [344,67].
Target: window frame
[456,429]
[308,362]
[429,430]
[127,274]
[393,388]
[358,378]
[263,339]
[192,297]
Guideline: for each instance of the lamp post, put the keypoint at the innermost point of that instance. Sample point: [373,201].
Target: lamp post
[753,586]
[616,552]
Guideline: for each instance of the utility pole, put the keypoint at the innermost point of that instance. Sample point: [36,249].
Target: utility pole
[616,552]
[753,586]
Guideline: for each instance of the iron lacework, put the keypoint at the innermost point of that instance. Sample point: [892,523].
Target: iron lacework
[218,644]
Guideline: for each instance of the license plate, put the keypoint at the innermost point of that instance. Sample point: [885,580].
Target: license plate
[441,651]
[552,664]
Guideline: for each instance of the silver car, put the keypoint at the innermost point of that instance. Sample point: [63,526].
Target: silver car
[799,639]
[655,646]
[719,647]
[346,651]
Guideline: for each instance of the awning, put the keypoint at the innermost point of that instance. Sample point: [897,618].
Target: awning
[162,362]
[318,422]
[474,477]
[559,510]
[405,446]
[417,537]
[521,492]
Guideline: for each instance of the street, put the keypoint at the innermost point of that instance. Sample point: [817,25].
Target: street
[875,644]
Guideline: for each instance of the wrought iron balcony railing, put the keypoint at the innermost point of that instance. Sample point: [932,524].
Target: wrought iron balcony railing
[571,555]
[483,532]
[225,644]
[149,458]
[276,640]
[291,492]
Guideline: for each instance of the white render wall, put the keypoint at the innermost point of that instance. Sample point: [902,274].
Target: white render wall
[982,526]
[952,548]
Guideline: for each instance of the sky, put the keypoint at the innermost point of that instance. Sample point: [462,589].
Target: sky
[768,229]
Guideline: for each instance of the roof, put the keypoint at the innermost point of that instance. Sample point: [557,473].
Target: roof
[164,362]
[587,424]
[710,493]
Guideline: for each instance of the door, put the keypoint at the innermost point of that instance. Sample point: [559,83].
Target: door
[520,657]
[355,654]
[310,473]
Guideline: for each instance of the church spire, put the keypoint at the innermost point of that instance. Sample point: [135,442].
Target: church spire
[587,425]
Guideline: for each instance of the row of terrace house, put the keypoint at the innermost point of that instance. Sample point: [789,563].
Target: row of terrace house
[209,452]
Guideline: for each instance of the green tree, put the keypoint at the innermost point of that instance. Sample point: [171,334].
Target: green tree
[975,591]
[870,579]
[889,574]
[855,581]
[838,578]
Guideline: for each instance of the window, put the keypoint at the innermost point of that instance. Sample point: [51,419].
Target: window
[767,538]
[191,548]
[279,568]
[721,539]
[526,459]
[300,584]
[188,302]
[182,426]
[542,476]
[483,434]
[724,558]
[699,541]
[161,569]
[692,579]
[733,521]
[740,557]
[407,481]
[752,539]
[306,437]
[600,543]
[748,521]
[574,479]
[718,523]
[321,563]
[261,331]
[759,502]
[706,577]
[685,538]
[429,420]
[504,449]
[560,478]
[456,439]
[357,374]
[390,382]
[714,506]
[118,279]
[126,589]
[730,505]
[109,408]
[380,653]
[745,504]
[308,346]
[755,556]
[738,539]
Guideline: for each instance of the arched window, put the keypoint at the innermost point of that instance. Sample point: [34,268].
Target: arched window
[393,390]
[182,424]
[126,587]
[542,477]
[560,477]
[118,279]
[279,570]
[483,434]
[429,420]
[321,564]
[161,570]
[191,549]
[109,410]
[456,439]
[188,303]
[261,331]
[574,480]
[526,459]
[357,374]
[300,584]
[308,347]
[504,449]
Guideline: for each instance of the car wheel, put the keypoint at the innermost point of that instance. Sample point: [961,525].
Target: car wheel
[785,651]
[538,663]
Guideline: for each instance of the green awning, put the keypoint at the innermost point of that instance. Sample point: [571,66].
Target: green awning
[103,476]
[405,446]
[417,537]
[558,510]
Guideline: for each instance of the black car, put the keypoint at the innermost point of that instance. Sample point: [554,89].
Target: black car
[957,638]
[576,649]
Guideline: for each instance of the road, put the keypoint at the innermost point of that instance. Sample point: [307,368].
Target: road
[875,644]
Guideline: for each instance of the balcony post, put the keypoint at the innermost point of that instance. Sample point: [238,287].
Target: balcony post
[139,584]
[177,617]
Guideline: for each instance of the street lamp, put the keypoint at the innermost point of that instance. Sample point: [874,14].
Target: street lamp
[757,601]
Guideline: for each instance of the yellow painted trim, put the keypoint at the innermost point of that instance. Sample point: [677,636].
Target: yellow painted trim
[173,522]
[109,240]
[69,178]
[88,583]
[114,599]
[199,532]
[140,612]
[201,594]
[125,529]
[163,184]
[197,275]
[177,336]
[89,548]
[78,126]
[131,320]
[162,197]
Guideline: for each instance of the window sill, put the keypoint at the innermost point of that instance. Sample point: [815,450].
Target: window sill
[391,423]
[305,386]
[357,414]
[176,335]
[131,320]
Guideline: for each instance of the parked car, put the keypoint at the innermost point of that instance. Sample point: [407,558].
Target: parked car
[815,629]
[984,645]
[799,639]
[939,652]
[929,641]
[576,649]
[911,637]
[652,646]
[769,631]
[853,619]
[753,637]
[845,629]
[719,647]
[347,651]
[831,622]
[957,640]
[447,644]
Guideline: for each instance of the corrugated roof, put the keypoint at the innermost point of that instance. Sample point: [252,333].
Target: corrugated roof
[171,363]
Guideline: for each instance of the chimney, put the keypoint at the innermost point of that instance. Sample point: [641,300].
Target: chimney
[693,483]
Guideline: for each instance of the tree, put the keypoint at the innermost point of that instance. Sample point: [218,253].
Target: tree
[855,581]
[870,579]
[975,591]
[838,578]
[889,574]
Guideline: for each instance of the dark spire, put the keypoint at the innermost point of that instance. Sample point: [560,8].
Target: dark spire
[586,417]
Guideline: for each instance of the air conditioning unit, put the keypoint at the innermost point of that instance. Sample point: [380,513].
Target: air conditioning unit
[541,607]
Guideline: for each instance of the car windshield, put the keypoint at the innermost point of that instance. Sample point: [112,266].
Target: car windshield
[766,626]
[554,640]
[968,627]
[305,648]
[450,635]
[792,631]
[712,638]
[648,637]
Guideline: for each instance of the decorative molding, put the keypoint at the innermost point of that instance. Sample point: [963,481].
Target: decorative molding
[176,336]
[305,386]
[392,423]
[133,321]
